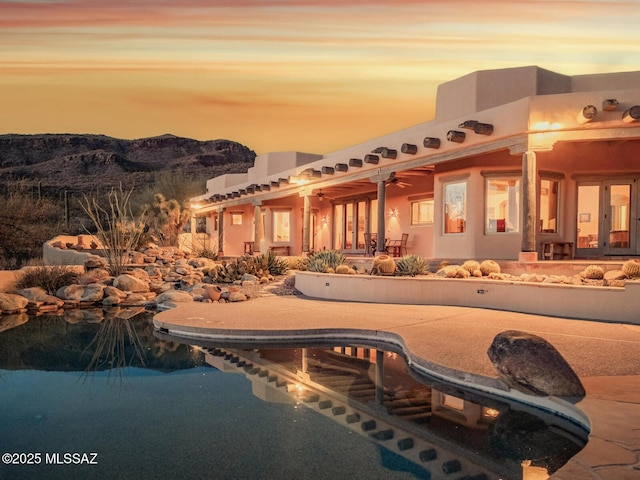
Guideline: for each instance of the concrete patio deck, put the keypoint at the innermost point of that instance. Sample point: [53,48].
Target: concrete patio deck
[454,340]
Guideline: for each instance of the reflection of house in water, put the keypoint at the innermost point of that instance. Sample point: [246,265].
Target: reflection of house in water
[435,427]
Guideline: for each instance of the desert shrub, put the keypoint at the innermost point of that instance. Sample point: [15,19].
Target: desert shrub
[274,264]
[325,260]
[48,277]
[117,228]
[411,265]
[206,253]
[26,223]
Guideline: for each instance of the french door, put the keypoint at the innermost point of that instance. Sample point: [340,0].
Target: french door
[351,221]
[608,217]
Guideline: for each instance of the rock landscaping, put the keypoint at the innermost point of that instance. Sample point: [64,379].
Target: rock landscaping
[155,278]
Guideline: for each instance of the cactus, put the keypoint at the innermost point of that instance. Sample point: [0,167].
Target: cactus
[453,271]
[593,272]
[489,266]
[631,268]
[343,269]
[411,265]
[383,265]
[471,266]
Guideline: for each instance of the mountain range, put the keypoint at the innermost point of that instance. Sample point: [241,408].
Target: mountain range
[81,163]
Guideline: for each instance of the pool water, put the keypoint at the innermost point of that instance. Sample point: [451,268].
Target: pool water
[109,398]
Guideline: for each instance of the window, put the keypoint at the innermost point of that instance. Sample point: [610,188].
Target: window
[549,205]
[236,218]
[281,226]
[455,207]
[422,212]
[201,224]
[503,205]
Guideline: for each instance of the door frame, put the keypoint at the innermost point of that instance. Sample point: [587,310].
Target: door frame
[605,216]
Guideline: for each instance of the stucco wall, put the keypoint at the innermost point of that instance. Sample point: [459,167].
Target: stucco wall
[592,303]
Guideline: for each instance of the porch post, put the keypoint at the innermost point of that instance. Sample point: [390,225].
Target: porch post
[258,228]
[221,232]
[306,223]
[529,200]
[382,192]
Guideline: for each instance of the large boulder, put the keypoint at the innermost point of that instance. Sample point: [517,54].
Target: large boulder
[94,292]
[174,296]
[129,283]
[33,294]
[70,292]
[532,365]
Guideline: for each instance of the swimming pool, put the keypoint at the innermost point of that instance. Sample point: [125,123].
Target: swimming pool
[106,398]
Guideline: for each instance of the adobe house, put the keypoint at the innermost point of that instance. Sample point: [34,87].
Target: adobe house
[517,162]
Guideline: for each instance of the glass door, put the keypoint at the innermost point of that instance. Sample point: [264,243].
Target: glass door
[588,221]
[618,225]
[607,218]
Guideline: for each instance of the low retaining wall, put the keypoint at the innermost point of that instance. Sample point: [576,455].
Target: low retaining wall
[609,304]
[56,256]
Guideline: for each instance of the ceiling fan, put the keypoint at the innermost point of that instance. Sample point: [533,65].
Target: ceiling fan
[393,180]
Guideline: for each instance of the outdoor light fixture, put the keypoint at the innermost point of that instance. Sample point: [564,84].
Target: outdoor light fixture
[431,142]
[409,148]
[393,213]
[342,167]
[631,115]
[468,124]
[373,159]
[587,114]
[355,162]
[455,136]
[389,153]
[328,170]
[609,104]
[483,128]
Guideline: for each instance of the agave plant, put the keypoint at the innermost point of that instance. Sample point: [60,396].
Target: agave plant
[411,265]
[272,263]
[325,259]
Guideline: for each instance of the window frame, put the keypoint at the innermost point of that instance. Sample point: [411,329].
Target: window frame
[509,177]
[448,183]
[417,223]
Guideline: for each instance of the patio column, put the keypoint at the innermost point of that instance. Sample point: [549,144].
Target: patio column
[258,227]
[306,223]
[382,192]
[221,231]
[529,199]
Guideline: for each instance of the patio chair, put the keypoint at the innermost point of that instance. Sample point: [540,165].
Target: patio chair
[403,244]
[370,244]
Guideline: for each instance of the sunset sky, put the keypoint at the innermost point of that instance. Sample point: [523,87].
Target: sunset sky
[314,76]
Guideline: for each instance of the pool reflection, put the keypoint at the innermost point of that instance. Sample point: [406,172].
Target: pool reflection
[445,431]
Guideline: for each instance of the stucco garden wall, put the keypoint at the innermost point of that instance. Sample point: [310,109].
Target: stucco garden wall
[567,301]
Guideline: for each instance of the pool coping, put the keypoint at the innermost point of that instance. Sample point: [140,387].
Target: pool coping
[610,449]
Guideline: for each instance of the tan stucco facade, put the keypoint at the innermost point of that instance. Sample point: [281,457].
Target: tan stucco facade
[525,130]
